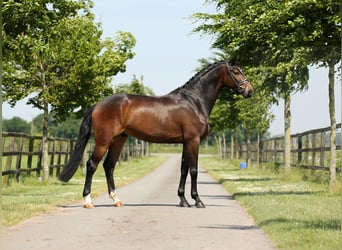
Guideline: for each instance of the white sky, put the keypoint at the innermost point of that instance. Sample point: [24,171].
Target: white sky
[167,54]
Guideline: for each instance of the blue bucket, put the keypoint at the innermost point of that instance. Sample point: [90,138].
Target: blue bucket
[243,165]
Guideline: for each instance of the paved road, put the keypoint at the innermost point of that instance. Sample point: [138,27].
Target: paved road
[150,219]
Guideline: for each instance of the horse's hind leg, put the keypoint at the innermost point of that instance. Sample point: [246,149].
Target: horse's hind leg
[109,166]
[92,164]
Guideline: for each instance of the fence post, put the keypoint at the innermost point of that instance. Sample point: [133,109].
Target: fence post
[313,147]
[18,163]
[52,158]
[274,152]
[5,179]
[307,146]
[30,156]
[300,149]
[322,153]
[261,147]
[59,159]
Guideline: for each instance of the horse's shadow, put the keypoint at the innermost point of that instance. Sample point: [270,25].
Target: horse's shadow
[125,205]
[138,205]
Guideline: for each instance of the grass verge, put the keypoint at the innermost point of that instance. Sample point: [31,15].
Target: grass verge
[294,208]
[29,197]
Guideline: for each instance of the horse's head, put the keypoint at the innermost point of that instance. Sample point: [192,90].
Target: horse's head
[238,81]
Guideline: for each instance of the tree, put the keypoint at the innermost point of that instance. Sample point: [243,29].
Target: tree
[136,87]
[15,124]
[244,30]
[312,28]
[53,49]
[283,36]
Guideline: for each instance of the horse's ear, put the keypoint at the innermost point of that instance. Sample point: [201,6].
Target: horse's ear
[235,61]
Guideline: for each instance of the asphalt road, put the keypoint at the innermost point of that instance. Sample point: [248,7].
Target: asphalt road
[150,219]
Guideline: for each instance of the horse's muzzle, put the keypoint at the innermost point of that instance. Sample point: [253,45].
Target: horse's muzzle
[247,93]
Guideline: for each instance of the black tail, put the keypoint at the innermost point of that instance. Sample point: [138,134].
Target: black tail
[76,156]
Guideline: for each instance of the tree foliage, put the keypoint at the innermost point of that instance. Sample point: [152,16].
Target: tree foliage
[55,55]
[53,50]
[136,87]
[15,124]
[279,39]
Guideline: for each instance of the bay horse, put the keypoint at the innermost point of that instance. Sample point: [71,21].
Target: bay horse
[178,117]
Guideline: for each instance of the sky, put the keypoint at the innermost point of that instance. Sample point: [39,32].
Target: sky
[167,53]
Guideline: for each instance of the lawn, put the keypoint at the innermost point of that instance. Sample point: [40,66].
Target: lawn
[294,208]
[29,197]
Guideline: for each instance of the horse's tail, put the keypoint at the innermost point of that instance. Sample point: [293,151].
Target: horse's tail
[76,156]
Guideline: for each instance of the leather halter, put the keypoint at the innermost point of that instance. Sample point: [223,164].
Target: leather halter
[238,84]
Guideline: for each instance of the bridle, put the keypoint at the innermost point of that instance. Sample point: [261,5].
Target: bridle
[238,84]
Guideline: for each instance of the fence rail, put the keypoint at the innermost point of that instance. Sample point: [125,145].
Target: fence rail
[22,153]
[308,149]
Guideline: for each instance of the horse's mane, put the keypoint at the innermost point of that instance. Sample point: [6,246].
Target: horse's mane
[193,80]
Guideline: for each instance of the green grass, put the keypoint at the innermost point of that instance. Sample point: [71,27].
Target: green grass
[294,208]
[29,197]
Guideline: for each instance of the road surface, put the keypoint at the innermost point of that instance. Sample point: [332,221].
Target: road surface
[150,219]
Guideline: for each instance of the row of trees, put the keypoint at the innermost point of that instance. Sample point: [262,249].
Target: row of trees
[66,129]
[277,40]
[54,52]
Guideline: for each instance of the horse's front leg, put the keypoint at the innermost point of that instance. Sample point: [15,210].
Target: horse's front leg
[192,150]
[109,166]
[190,161]
[194,193]
[181,187]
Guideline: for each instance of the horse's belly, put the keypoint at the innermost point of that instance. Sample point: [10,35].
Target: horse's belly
[155,135]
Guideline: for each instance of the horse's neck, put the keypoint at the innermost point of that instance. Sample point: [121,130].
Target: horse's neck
[210,89]
[204,91]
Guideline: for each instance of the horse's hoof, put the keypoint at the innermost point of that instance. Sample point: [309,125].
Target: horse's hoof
[199,204]
[118,204]
[184,204]
[89,205]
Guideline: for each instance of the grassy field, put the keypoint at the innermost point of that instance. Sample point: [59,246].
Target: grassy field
[294,208]
[29,197]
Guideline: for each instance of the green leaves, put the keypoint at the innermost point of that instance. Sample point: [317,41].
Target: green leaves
[276,40]
[53,50]
[136,87]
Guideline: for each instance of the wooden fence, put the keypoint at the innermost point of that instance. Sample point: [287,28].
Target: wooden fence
[22,153]
[308,150]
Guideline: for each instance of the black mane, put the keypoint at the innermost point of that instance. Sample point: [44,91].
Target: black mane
[194,80]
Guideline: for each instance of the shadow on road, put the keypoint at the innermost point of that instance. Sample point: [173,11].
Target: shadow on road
[231,227]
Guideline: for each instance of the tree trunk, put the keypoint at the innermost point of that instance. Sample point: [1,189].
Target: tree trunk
[232,145]
[248,160]
[219,146]
[332,167]
[224,146]
[287,131]
[147,149]
[258,150]
[45,143]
